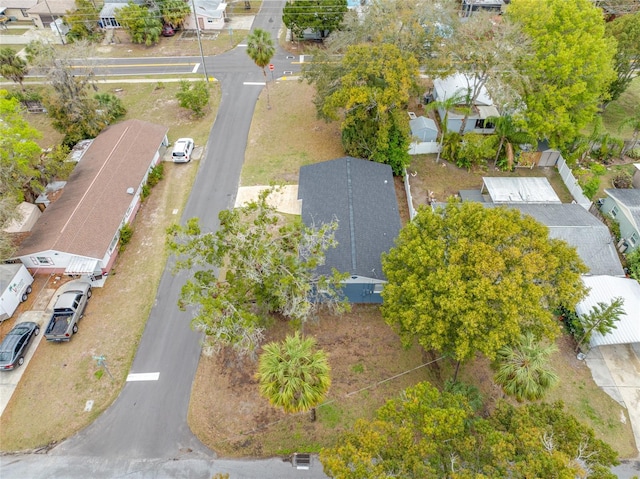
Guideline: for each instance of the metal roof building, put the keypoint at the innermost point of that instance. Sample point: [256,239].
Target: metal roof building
[520,190]
[603,290]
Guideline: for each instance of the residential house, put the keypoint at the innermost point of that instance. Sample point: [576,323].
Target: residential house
[208,15]
[17,9]
[46,12]
[623,205]
[107,16]
[360,195]
[482,108]
[78,234]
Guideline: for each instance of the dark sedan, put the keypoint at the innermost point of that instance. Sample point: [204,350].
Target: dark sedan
[15,345]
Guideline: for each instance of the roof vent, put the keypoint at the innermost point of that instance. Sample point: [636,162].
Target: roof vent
[130,190]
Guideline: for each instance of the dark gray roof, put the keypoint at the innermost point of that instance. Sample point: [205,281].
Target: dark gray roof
[360,194]
[630,198]
[575,225]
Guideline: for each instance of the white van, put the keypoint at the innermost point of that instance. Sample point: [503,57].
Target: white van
[182,150]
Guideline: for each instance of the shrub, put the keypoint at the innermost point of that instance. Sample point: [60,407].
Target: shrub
[623,180]
[633,153]
[146,191]
[156,174]
[126,232]
[613,225]
[633,264]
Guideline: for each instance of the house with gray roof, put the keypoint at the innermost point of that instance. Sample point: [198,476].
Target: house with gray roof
[360,195]
[78,234]
[623,205]
[579,228]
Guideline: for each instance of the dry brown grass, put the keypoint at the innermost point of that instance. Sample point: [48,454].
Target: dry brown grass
[228,414]
[287,136]
[48,403]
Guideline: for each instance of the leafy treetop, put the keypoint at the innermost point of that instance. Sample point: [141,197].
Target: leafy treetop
[464,279]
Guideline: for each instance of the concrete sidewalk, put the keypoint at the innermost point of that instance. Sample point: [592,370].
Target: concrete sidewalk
[616,369]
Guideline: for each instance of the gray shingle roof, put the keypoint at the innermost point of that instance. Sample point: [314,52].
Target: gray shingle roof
[360,194]
[575,225]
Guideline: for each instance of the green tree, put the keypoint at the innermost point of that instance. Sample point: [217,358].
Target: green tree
[268,266]
[475,149]
[602,319]
[446,105]
[194,96]
[547,441]
[293,375]
[174,12]
[570,68]
[12,67]
[111,107]
[142,25]
[19,153]
[509,132]
[626,31]
[83,22]
[370,98]
[523,370]
[484,51]
[425,433]
[70,104]
[465,279]
[322,17]
[633,264]
[414,435]
[260,49]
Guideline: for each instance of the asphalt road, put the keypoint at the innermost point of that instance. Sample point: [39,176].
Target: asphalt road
[145,433]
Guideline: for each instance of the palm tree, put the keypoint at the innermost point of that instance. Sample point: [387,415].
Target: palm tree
[523,370]
[292,375]
[261,50]
[509,133]
[446,104]
[633,122]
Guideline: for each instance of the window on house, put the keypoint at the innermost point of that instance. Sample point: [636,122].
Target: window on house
[483,124]
[633,239]
[209,20]
[614,211]
[39,260]
[24,12]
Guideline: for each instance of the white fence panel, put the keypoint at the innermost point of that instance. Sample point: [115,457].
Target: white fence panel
[423,147]
[572,184]
[407,190]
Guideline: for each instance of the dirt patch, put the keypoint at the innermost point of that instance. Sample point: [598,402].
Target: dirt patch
[228,414]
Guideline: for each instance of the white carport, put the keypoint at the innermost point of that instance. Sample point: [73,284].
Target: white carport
[79,266]
[603,289]
[519,190]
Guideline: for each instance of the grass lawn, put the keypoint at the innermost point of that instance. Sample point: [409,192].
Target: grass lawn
[621,109]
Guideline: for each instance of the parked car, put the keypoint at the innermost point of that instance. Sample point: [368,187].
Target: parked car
[68,310]
[182,150]
[168,30]
[15,345]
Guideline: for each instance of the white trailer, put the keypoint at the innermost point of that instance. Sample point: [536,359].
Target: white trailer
[15,285]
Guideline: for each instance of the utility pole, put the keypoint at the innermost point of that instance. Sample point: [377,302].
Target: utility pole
[195,19]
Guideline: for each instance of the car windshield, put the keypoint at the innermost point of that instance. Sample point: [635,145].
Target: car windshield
[178,153]
[5,356]
[20,330]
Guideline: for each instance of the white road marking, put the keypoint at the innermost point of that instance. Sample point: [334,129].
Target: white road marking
[143,377]
[254,83]
[195,69]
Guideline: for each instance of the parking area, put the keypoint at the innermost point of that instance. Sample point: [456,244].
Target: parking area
[35,309]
